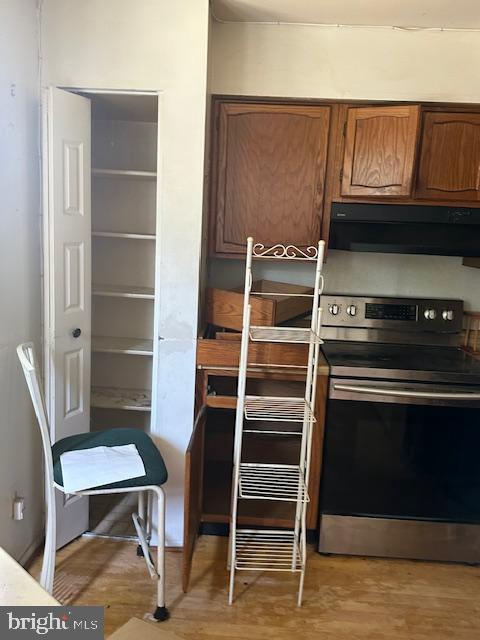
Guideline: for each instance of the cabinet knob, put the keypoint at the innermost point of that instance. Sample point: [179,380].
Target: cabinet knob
[76,333]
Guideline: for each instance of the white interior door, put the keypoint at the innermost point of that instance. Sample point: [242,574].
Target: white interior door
[67,234]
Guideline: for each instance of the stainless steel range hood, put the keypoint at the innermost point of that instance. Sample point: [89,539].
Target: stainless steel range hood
[434,230]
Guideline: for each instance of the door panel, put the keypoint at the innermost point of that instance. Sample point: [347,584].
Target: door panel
[450,157]
[68,281]
[73,382]
[193,494]
[270,167]
[379,151]
[74,175]
[74,265]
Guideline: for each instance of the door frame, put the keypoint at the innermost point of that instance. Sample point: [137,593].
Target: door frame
[47,213]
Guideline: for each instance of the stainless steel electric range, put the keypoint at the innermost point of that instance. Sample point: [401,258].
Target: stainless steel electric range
[401,468]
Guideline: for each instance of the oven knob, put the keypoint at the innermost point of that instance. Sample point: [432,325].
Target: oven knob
[447,314]
[430,314]
[352,310]
[334,309]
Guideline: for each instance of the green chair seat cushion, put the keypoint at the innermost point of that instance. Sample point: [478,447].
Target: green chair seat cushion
[156,472]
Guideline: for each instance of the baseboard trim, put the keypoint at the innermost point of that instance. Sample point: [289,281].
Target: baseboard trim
[31,551]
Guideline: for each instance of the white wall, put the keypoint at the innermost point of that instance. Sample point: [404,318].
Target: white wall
[160,45]
[20,452]
[346,62]
[355,63]
[350,272]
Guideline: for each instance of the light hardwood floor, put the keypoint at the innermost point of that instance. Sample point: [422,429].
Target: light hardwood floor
[345,598]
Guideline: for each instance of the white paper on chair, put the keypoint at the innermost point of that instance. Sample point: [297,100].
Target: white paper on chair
[95,467]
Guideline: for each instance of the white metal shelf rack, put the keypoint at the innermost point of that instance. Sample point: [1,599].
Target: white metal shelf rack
[285,549]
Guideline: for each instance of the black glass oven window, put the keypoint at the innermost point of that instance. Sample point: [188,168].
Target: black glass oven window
[402,461]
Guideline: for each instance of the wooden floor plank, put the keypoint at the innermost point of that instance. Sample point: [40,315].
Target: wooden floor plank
[345,598]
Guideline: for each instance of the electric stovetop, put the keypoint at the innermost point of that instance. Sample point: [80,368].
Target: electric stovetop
[396,361]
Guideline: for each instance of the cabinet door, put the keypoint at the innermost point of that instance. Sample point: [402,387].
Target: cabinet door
[193,494]
[270,171]
[450,157]
[379,151]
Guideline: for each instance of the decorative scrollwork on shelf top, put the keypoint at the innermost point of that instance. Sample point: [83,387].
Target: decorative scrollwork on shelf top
[288,251]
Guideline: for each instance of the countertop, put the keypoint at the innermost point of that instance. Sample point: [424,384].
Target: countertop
[18,587]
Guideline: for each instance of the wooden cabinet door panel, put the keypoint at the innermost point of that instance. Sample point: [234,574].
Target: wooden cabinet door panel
[193,493]
[270,174]
[450,157]
[379,151]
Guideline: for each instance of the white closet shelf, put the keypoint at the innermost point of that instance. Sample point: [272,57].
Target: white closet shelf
[267,550]
[129,346]
[283,482]
[123,173]
[120,291]
[126,236]
[278,409]
[127,399]
[284,334]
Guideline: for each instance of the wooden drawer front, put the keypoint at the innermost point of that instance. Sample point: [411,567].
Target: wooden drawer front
[270,168]
[224,308]
[226,353]
[450,157]
[379,151]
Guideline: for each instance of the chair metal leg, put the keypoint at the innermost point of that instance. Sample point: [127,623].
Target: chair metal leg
[142,516]
[143,545]
[48,564]
[161,612]
[141,506]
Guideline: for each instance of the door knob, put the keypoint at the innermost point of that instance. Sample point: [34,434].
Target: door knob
[76,333]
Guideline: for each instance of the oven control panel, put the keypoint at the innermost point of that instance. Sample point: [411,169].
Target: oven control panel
[412,314]
[375,311]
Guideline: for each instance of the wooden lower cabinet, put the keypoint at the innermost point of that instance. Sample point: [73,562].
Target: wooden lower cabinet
[208,468]
[193,505]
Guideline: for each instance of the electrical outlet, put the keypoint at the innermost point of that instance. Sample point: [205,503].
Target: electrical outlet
[18,508]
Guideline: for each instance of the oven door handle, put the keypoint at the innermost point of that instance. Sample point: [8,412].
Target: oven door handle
[400,393]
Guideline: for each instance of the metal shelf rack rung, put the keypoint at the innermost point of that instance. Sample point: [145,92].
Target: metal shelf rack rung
[279,431]
[283,482]
[270,550]
[276,409]
[291,335]
[267,550]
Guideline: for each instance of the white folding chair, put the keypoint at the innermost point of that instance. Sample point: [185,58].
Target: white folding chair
[156,475]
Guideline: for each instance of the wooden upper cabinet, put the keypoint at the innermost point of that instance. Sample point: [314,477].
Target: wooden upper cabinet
[379,151]
[450,157]
[269,174]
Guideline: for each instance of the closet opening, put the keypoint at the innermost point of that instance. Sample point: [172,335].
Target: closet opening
[124,226]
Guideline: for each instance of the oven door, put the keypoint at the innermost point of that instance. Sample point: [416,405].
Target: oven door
[402,450]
